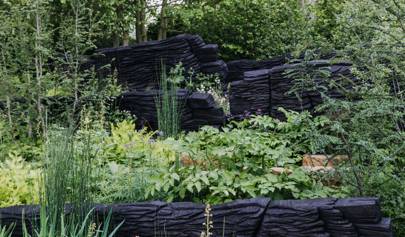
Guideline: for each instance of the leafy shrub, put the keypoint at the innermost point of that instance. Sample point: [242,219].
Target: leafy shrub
[325,23]
[370,137]
[19,182]
[136,166]
[260,142]
[126,145]
[220,185]
[10,142]
[121,183]
[235,162]
[371,128]
[243,29]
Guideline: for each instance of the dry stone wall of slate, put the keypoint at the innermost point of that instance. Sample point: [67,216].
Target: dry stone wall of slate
[264,90]
[260,217]
[139,69]
[256,87]
[139,66]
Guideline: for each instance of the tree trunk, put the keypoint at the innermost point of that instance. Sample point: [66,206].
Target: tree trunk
[116,40]
[39,64]
[8,104]
[125,39]
[163,21]
[118,32]
[141,33]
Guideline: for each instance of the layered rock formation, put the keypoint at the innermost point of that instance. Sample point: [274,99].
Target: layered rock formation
[256,87]
[265,90]
[261,217]
[139,67]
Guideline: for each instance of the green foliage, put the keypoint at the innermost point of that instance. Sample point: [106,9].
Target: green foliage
[41,78]
[369,123]
[369,135]
[210,84]
[6,231]
[67,175]
[325,13]
[243,148]
[168,107]
[368,23]
[47,228]
[133,166]
[124,139]
[203,82]
[221,185]
[57,167]
[134,148]
[370,34]
[115,19]
[23,75]
[125,160]
[12,145]
[236,162]
[122,184]
[19,182]
[243,29]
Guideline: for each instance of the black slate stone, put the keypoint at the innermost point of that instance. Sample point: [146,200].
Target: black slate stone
[180,219]
[207,53]
[237,68]
[218,68]
[139,67]
[360,210]
[199,100]
[139,219]
[253,93]
[213,115]
[381,229]
[292,218]
[352,217]
[240,218]
[239,97]
[14,215]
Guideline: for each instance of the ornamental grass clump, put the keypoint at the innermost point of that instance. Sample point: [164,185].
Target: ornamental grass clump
[169,109]
[67,176]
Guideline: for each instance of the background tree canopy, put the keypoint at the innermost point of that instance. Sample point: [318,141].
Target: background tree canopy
[254,29]
[243,29]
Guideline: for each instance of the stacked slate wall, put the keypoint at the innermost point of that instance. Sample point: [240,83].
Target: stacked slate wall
[260,217]
[139,68]
[256,87]
[263,91]
[238,67]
